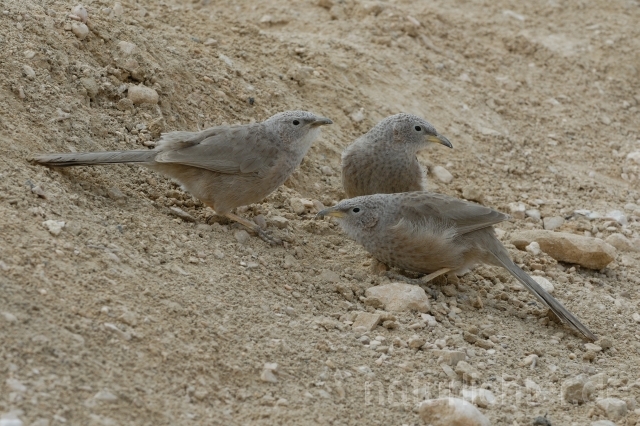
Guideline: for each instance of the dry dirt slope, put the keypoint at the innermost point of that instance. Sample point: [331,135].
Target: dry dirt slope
[131,315]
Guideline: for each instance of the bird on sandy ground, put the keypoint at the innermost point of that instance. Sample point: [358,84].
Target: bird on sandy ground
[223,166]
[383,161]
[435,234]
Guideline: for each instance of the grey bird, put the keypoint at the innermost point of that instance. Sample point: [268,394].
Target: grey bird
[223,166]
[435,234]
[383,161]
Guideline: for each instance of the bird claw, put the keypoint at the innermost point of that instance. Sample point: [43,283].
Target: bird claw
[264,236]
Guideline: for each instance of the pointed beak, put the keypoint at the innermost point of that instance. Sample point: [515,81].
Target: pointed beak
[321,122]
[439,139]
[331,212]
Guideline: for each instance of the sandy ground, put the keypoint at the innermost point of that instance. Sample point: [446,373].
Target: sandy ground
[132,315]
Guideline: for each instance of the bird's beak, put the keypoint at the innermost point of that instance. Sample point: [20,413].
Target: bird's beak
[331,212]
[320,122]
[439,139]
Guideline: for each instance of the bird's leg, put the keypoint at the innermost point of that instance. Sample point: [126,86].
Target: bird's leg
[255,228]
[434,275]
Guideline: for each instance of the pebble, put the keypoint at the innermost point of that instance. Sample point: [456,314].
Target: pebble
[618,216]
[589,252]
[28,72]
[552,222]
[80,13]
[124,335]
[603,423]
[572,389]
[268,375]
[472,193]
[16,385]
[449,357]
[242,236]
[278,222]
[80,30]
[533,213]
[326,170]
[178,212]
[106,396]
[635,156]
[534,248]
[416,341]
[442,174]
[11,422]
[430,320]
[517,210]
[614,408]
[451,411]
[467,372]
[366,321]
[329,276]
[621,242]
[478,396]
[9,317]
[636,317]
[297,206]
[142,94]
[54,226]
[544,283]
[400,297]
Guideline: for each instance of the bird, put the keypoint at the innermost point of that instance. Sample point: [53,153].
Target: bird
[383,160]
[223,166]
[435,234]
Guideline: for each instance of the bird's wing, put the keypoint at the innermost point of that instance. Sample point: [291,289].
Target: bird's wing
[223,149]
[466,216]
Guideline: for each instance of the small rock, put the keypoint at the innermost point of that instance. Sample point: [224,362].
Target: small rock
[53,226]
[517,210]
[326,170]
[91,86]
[9,317]
[126,48]
[472,193]
[115,194]
[416,342]
[329,276]
[467,372]
[278,222]
[268,376]
[544,283]
[533,213]
[178,212]
[297,207]
[635,156]
[105,396]
[478,396]
[603,423]
[124,104]
[636,317]
[242,236]
[28,72]
[614,408]
[605,343]
[80,13]
[211,42]
[400,297]
[366,320]
[80,30]
[572,389]
[430,320]
[11,422]
[534,248]
[142,94]
[124,335]
[620,242]
[16,385]
[618,216]
[442,174]
[451,412]
[450,357]
[589,252]
[592,347]
[552,222]
[118,10]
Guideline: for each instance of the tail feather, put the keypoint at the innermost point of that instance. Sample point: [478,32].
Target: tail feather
[542,295]
[94,158]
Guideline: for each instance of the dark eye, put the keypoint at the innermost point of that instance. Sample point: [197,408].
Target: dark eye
[418,128]
[356,209]
[296,122]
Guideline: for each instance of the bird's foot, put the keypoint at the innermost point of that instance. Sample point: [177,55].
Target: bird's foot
[264,236]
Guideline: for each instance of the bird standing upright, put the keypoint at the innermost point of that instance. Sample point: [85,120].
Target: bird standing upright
[224,166]
[383,161]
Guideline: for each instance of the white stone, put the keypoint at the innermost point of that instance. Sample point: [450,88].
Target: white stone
[544,283]
[636,317]
[620,242]
[572,389]
[451,358]
[53,226]
[400,297]
[517,210]
[618,216]
[11,422]
[16,385]
[635,156]
[552,222]
[106,396]
[142,94]
[478,396]
[534,248]
[81,13]
[269,376]
[442,174]
[603,423]
[28,72]
[614,408]
[429,319]
[80,30]
[9,317]
[451,412]
[533,213]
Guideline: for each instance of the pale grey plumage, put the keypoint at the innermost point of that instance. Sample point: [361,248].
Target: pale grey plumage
[425,232]
[383,161]
[224,166]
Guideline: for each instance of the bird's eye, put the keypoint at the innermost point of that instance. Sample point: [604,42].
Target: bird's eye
[418,128]
[356,209]
[296,122]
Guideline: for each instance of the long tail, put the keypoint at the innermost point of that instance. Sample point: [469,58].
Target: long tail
[94,158]
[530,284]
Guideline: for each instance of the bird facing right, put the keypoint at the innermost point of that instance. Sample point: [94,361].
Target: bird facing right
[435,234]
[383,161]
